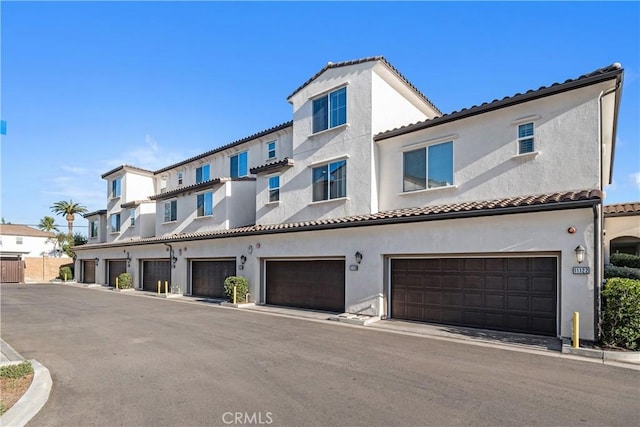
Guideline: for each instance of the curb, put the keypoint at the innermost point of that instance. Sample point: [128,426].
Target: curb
[604,355]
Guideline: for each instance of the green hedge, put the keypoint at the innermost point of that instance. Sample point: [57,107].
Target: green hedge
[621,313]
[242,288]
[611,271]
[65,273]
[625,260]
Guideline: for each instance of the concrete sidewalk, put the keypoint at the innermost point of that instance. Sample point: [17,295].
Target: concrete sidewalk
[36,395]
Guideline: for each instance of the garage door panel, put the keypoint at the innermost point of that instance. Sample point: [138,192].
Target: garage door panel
[116,268]
[154,271]
[89,271]
[208,276]
[498,293]
[314,284]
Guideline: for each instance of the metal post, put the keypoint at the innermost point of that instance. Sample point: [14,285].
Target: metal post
[166,287]
[117,282]
[576,330]
[234,294]
[159,287]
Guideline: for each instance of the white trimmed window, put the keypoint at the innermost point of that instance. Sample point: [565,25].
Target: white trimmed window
[239,165]
[116,188]
[271,150]
[171,211]
[428,167]
[18,240]
[132,217]
[93,229]
[274,188]
[330,181]
[202,174]
[180,176]
[204,204]
[114,221]
[330,110]
[526,138]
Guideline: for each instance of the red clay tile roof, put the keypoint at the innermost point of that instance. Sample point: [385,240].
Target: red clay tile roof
[23,230]
[597,76]
[360,61]
[198,186]
[622,209]
[284,163]
[522,204]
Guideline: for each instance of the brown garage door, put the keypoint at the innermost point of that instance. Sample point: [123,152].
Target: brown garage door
[155,270]
[509,294]
[207,277]
[116,268]
[89,271]
[11,271]
[317,285]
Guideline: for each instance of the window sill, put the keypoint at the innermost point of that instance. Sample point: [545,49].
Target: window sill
[114,197]
[429,190]
[114,232]
[204,217]
[339,200]
[525,156]
[270,204]
[169,222]
[342,126]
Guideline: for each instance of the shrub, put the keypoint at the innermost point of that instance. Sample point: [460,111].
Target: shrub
[242,288]
[16,371]
[611,271]
[125,281]
[621,313]
[625,260]
[65,273]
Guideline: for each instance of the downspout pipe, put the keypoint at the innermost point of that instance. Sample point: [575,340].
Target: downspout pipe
[170,253]
[597,279]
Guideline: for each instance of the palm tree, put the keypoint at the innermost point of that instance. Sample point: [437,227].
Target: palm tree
[68,210]
[48,223]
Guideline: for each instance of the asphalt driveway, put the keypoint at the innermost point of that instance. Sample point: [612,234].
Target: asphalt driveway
[119,359]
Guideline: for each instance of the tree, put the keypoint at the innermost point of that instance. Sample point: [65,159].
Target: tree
[60,243]
[68,210]
[79,239]
[48,223]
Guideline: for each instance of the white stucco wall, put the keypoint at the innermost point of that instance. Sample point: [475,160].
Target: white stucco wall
[31,246]
[542,233]
[484,149]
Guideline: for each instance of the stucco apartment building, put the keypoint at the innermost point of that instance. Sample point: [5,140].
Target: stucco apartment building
[372,201]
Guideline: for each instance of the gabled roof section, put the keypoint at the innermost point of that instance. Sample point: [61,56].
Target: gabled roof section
[199,186]
[511,205]
[622,209]
[23,230]
[135,203]
[273,166]
[127,168]
[613,71]
[382,60]
[94,213]
[227,146]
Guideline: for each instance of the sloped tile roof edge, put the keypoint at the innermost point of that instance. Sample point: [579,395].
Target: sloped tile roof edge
[383,60]
[98,212]
[23,230]
[512,205]
[601,74]
[201,185]
[286,162]
[622,209]
[125,166]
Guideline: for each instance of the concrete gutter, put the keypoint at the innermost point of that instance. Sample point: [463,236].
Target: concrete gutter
[36,395]
[632,357]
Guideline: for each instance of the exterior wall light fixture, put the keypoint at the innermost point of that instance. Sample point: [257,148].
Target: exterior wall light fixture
[243,259]
[358,257]
[97,260]
[580,251]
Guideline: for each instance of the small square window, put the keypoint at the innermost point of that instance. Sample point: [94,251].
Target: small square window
[526,138]
[180,178]
[18,240]
[271,150]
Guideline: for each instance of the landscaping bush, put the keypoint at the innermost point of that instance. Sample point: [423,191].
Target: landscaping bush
[242,288]
[16,371]
[125,281]
[65,271]
[621,313]
[611,271]
[625,260]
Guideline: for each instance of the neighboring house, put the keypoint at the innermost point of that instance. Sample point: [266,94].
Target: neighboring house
[373,201]
[18,242]
[622,229]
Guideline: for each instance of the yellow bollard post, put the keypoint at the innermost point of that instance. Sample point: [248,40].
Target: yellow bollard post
[159,287]
[576,330]
[65,277]
[234,294]
[166,287]
[116,282]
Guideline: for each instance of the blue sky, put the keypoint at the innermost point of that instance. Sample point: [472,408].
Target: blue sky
[88,86]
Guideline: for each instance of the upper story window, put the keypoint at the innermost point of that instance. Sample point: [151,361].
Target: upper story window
[330,110]
[180,175]
[274,188]
[132,217]
[115,188]
[202,174]
[93,229]
[271,150]
[205,204]
[330,181]
[114,221]
[239,165]
[163,184]
[18,240]
[526,138]
[428,167]
[171,211]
